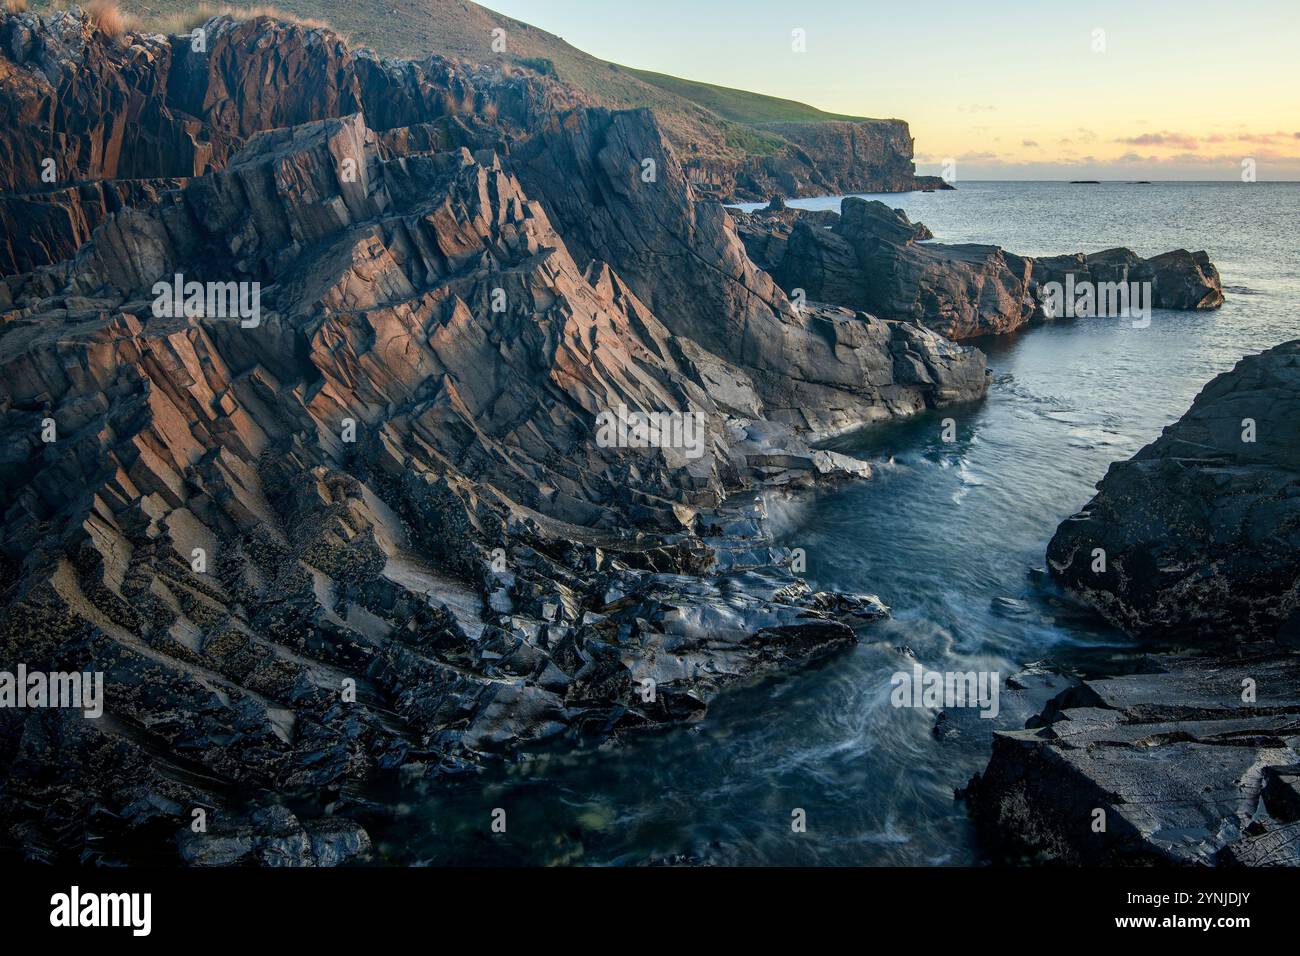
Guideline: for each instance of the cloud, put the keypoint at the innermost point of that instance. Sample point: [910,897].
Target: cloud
[976,108]
[1163,139]
[977,157]
[1263,137]
[1194,166]
[1029,142]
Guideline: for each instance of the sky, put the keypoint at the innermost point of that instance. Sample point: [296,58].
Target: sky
[1004,89]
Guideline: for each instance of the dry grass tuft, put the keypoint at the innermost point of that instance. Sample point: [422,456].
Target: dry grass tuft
[108,18]
[186,20]
[15,6]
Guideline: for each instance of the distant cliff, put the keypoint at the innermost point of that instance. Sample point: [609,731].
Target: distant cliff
[821,158]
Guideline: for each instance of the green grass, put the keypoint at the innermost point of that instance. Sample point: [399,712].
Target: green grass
[739,106]
[702,118]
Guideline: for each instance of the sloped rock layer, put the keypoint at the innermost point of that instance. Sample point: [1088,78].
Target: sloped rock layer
[370,528]
[1176,767]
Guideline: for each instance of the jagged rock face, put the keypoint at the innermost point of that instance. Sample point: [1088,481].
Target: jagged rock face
[1184,770]
[766,232]
[372,528]
[815,372]
[870,259]
[185,436]
[1200,530]
[151,108]
[95,106]
[41,228]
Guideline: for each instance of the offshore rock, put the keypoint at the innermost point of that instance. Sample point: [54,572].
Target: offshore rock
[872,258]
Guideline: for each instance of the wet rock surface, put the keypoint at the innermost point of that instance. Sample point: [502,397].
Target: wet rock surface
[372,530]
[1200,530]
[874,258]
[1168,767]
[1193,540]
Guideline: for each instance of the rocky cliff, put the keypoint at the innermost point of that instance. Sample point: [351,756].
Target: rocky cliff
[819,158]
[347,511]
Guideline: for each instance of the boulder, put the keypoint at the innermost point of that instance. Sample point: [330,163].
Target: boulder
[1198,535]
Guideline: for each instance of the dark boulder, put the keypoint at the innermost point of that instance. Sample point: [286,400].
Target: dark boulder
[1198,534]
[1172,767]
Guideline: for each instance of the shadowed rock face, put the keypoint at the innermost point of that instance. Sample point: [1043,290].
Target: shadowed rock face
[1178,768]
[816,373]
[375,531]
[1201,529]
[871,258]
[1193,540]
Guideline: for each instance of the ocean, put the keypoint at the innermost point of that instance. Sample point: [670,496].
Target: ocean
[951,535]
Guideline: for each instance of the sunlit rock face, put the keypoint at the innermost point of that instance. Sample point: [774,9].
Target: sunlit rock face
[352,452]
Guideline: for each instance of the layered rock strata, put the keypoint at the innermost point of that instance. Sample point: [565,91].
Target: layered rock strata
[373,526]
